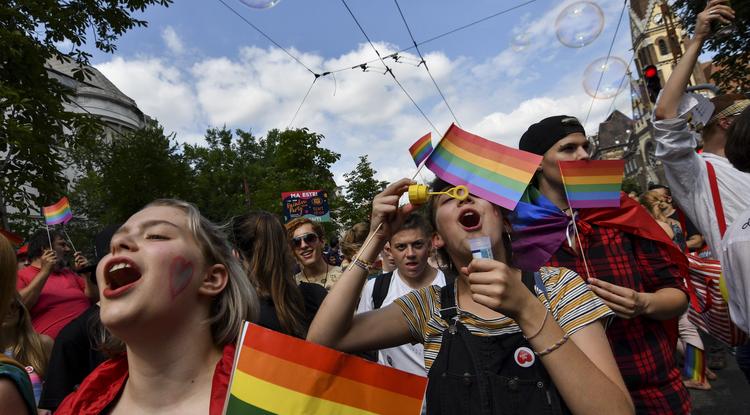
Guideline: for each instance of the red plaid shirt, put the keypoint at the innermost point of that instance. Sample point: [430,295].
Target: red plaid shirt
[641,346]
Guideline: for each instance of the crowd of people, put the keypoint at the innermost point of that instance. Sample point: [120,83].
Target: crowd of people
[149,325]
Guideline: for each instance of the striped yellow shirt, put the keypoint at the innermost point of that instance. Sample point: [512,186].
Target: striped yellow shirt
[571,302]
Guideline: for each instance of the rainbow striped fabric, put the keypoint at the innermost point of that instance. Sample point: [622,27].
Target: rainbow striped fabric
[58,213]
[492,171]
[421,149]
[592,183]
[279,374]
[695,364]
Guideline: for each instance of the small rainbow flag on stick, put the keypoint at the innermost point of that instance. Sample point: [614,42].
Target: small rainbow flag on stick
[490,170]
[421,149]
[58,213]
[694,368]
[278,374]
[592,183]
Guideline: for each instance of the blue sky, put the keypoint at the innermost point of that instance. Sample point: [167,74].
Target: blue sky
[198,65]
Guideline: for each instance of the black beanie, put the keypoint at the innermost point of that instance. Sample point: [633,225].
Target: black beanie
[541,136]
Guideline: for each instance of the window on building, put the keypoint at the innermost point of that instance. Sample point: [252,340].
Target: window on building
[663,49]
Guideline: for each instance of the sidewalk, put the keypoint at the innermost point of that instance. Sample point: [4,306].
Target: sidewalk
[730,393]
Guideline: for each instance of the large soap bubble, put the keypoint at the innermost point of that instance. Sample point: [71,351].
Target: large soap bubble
[520,41]
[260,4]
[579,24]
[612,72]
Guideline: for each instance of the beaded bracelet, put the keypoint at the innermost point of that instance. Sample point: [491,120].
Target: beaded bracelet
[554,346]
[362,264]
[547,313]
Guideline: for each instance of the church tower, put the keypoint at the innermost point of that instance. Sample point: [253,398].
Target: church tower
[658,39]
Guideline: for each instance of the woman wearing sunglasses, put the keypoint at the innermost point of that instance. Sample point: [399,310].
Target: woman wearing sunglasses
[307,241]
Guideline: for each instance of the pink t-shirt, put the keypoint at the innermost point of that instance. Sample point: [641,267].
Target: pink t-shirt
[62,299]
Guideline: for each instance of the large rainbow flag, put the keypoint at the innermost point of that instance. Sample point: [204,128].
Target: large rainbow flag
[492,171]
[279,374]
[58,213]
[592,183]
[421,149]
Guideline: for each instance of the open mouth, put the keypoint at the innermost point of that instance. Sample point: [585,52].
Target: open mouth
[121,274]
[306,254]
[469,219]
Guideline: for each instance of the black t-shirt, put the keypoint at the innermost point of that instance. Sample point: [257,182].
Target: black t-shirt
[313,295]
[74,355]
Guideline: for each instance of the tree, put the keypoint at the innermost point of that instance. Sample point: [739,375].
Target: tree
[732,50]
[35,128]
[236,173]
[130,172]
[361,188]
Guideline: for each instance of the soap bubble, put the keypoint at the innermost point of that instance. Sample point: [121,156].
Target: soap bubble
[260,4]
[612,72]
[520,41]
[579,24]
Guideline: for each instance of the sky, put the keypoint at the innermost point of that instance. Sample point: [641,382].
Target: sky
[199,65]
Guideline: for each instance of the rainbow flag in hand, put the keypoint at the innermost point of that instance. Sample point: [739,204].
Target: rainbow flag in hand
[421,149]
[592,183]
[492,171]
[278,374]
[58,213]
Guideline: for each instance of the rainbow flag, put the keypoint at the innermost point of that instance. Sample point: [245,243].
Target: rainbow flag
[695,364]
[592,183]
[278,374]
[58,213]
[421,149]
[492,171]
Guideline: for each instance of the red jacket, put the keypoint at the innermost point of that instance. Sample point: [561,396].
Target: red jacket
[104,384]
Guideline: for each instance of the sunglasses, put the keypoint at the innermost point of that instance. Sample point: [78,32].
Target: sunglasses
[309,238]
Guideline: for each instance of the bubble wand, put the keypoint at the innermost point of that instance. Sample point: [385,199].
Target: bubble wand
[418,195]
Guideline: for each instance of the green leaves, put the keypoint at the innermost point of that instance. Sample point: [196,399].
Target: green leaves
[361,188]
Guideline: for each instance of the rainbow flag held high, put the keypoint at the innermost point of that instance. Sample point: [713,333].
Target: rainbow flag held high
[592,183]
[58,213]
[421,149]
[278,374]
[695,364]
[492,171]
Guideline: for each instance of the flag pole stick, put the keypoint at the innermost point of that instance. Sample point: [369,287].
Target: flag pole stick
[49,238]
[69,240]
[419,168]
[575,228]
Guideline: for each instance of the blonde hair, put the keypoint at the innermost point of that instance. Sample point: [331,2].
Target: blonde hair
[651,200]
[26,344]
[353,239]
[237,302]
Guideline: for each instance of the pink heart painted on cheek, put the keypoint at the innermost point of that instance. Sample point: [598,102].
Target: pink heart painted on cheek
[180,274]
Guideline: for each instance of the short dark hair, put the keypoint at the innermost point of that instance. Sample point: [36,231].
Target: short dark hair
[737,148]
[39,241]
[655,186]
[416,221]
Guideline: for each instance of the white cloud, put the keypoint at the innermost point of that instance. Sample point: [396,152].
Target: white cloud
[366,113]
[172,40]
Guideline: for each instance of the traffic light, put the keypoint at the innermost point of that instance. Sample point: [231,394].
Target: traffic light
[653,84]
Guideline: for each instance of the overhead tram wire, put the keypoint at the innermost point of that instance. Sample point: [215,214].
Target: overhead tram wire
[388,69]
[609,53]
[442,35]
[302,103]
[423,61]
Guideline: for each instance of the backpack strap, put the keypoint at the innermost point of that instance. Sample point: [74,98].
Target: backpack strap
[716,199]
[380,289]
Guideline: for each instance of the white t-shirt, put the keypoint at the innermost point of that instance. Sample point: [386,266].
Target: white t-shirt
[735,264]
[688,180]
[407,357]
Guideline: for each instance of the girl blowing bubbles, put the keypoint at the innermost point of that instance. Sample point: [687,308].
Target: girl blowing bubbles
[173,298]
[495,341]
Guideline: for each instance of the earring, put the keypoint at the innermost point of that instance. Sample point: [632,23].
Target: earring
[508,242]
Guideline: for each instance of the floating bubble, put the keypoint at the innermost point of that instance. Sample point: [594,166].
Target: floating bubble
[260,4]
[612,73]
[579,24]
[520,41]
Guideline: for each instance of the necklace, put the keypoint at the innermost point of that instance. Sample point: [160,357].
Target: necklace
[323,282]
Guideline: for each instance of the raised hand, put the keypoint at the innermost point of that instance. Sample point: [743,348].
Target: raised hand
[386,215]
[497,286]
[80,260]
[48,260]
[715,11]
